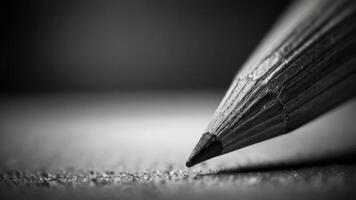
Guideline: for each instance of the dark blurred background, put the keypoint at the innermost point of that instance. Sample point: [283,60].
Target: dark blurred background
[61,46]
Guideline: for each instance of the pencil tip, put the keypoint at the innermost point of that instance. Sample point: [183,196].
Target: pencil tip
[208,147]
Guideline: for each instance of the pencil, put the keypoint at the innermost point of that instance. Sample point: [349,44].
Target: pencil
[304,67]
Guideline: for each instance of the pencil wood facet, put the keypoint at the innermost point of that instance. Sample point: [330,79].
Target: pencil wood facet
[304,67]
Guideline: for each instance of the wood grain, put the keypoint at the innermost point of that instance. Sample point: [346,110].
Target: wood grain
[305,67]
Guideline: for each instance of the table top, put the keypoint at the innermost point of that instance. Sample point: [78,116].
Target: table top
[134,145]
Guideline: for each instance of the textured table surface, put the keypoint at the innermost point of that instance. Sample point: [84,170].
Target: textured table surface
[135,145]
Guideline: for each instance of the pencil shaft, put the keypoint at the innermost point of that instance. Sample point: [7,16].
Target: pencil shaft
[305,67]
[309,72]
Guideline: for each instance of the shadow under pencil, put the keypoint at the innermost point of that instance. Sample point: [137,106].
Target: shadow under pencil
[348,158]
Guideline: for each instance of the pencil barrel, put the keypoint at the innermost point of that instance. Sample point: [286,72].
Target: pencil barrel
[304,67]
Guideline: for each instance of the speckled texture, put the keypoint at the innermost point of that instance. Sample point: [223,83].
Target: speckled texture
[326,182]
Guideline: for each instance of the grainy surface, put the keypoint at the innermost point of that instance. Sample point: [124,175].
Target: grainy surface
[134,146]
[331,182]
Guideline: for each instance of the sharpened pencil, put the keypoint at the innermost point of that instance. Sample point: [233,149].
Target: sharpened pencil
[304,67]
